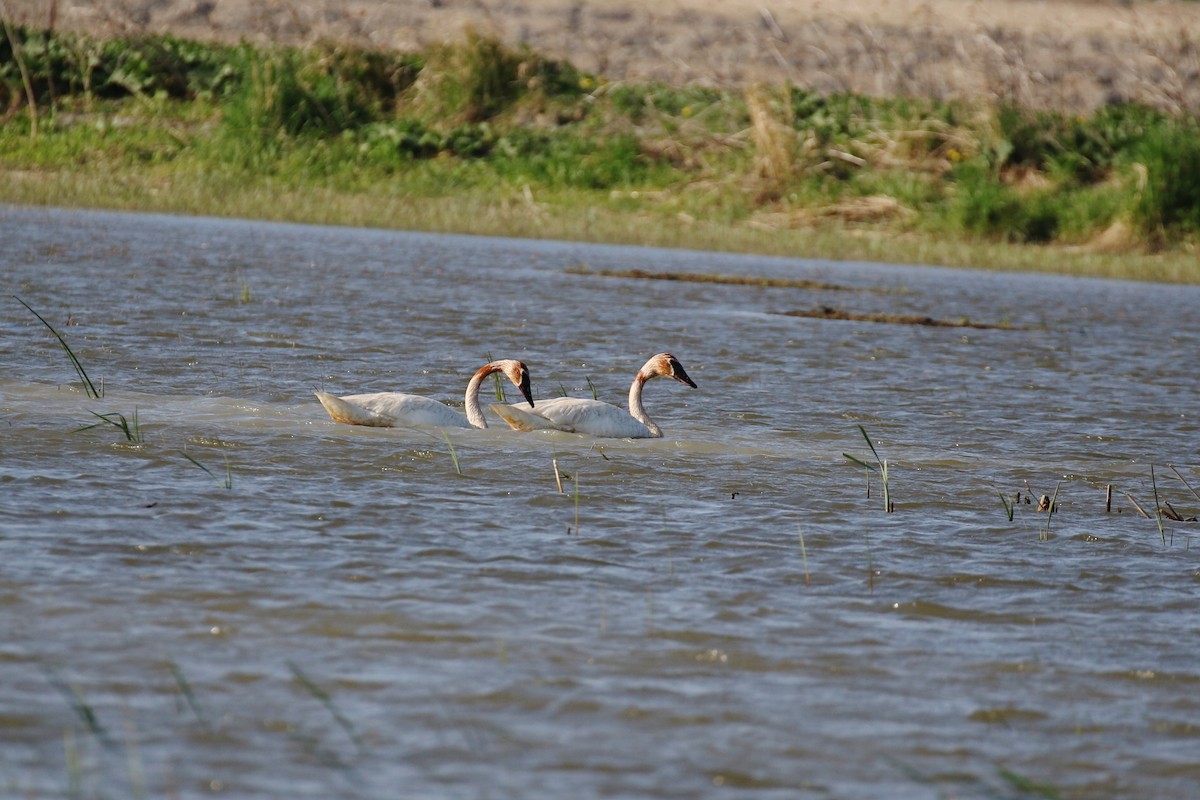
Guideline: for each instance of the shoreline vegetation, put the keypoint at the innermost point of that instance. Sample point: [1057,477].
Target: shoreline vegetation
[474,136]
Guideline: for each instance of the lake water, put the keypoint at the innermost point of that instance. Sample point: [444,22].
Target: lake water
[256,602]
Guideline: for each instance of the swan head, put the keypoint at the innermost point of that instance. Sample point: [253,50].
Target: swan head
[518,373]
[668,365]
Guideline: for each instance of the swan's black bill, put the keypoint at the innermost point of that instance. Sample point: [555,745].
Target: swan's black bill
[525,392]
[680,374]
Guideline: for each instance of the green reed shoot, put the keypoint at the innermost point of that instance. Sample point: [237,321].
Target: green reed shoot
[499,384]
[228,481]
[1158,512]
[592,386]
[866,470]
[881,466]
[81,707]
[1008,504]
[88,387]
[453,455]
[185,689]
[129,427]
[1045,536]
[1027,787]
[322,696]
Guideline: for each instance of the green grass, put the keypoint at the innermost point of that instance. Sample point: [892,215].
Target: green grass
[880,466]
[326,700]
[88,387]
[453,454]
[128,426]
[1158,510]
[1051,509]
[474,137]
[1008,505]
[225,482]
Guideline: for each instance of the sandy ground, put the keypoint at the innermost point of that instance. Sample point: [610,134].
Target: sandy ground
[1068,54]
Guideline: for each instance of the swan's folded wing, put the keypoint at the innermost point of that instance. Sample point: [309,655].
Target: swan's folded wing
[521,420]
[350,414]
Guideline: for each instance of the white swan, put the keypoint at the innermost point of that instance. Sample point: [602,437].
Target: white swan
[596,418]
[396,409]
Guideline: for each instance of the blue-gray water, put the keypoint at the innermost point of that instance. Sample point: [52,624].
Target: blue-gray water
[351,618]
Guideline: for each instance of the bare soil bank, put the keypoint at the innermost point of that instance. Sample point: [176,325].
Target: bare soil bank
[1072,55]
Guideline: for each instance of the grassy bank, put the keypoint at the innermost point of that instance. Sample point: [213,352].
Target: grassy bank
[475,138]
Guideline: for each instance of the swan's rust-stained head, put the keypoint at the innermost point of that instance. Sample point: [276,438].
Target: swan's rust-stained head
[667,364]
[515,371]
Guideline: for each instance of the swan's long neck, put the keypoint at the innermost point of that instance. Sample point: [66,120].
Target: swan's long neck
[474,412]
[636,409]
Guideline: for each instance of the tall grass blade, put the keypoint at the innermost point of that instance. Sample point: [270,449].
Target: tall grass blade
[453,455]
[324,699]
[1158,512]
[1045,537]
[870,444]
[227,482]
[88,387]
[880,465]
[592,386]
[130,429]
[1008,505]
[82,709]
[499,384]
[198,464]
[1027,787]
[189,696]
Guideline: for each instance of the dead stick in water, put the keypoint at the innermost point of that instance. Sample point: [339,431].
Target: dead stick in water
[557,476]
[1108,499]
[1137,505]
[1185,483]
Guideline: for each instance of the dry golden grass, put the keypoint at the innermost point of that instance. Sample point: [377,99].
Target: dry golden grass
[1064,54]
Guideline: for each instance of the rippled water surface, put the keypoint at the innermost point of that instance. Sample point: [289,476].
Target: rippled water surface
[256,602]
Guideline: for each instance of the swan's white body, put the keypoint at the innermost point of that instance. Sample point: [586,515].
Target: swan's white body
[397,409]
[596,418]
